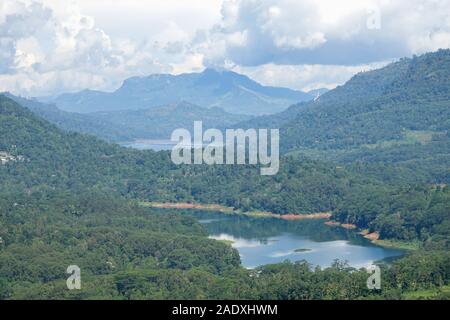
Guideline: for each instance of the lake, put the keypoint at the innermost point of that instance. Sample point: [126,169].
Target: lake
[263,241]
[156,145]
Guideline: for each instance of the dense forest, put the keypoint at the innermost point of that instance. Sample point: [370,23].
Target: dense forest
[57,160]
[69,198]
[372,107]
[396,115]
[129,252]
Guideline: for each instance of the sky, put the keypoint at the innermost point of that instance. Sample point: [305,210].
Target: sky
[52,46]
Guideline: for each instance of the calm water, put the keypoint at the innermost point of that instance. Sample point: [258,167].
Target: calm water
[264,241]
[156,145]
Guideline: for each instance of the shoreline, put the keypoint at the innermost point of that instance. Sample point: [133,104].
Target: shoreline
[148,141]
[373,237]
[228,210]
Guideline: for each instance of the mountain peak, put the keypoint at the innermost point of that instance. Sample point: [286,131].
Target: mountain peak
[224,73]
[228,90]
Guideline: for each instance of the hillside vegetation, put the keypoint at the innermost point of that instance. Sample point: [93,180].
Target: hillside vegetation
[69,161]
[230,91]
[73,199]
[397,116]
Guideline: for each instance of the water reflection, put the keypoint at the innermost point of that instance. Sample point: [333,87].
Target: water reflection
[264,241]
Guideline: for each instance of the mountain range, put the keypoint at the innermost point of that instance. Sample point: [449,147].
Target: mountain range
[129,125]
[71,198]
[399,113]
[401,106]
[233,92]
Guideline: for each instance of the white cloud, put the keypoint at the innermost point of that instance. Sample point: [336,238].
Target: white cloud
[305,77]
[149,19]
[346,32]
[48,46]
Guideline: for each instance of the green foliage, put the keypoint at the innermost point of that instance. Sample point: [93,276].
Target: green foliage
[376,106]
[394,120]
[72,201]
[401,213]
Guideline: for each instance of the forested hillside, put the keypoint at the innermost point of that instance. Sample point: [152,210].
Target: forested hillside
[128,125]
[377,106]
[56,159]
[397,115]
[129,252]
[68,161]
[72,199]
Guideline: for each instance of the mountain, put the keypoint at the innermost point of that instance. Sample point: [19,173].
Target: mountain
[73,199]
[128,125]
[56,160]
[233,92]
[406,97]
[159,122]
[318,92]
[76,122]
[65,194]
[61,160]
[403,106]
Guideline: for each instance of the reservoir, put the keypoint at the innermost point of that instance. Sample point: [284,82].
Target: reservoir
[263,241]
[149,144]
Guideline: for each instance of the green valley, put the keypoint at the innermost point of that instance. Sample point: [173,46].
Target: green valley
[69,197]
[74,197]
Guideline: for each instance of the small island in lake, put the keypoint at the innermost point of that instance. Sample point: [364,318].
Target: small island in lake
[302,250]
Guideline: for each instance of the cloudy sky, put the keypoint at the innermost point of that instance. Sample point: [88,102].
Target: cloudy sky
[52,46]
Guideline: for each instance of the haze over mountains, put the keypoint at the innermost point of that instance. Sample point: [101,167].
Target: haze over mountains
[376,106]
[152,107]
[404,103]
[129,125]
[233,92]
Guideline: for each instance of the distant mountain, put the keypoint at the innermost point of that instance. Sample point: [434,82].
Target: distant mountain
[233,92]
[127,125]
[160,122]
[76,122]
[57,160]
[276,121]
